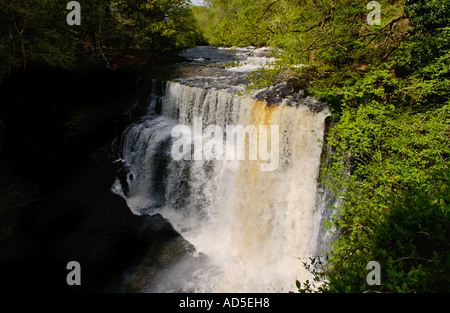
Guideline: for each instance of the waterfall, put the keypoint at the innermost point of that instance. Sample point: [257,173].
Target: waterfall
[255,227]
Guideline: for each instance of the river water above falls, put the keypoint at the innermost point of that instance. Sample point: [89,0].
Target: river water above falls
[251,229]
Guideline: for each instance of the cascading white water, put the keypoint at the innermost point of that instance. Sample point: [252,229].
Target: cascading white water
[255,226]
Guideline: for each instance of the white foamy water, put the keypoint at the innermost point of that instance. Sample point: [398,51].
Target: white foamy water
[255,227]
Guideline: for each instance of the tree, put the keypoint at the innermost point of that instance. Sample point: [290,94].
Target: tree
[156,24]
[35,31]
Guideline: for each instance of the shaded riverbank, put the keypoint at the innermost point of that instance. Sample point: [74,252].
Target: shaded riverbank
[57,170]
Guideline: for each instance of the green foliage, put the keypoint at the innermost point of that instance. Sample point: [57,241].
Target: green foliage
[29,34]
[413,243]
[408,237]
[427,16]
[390,142]
[35,31]
[157,24]
[319,32]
